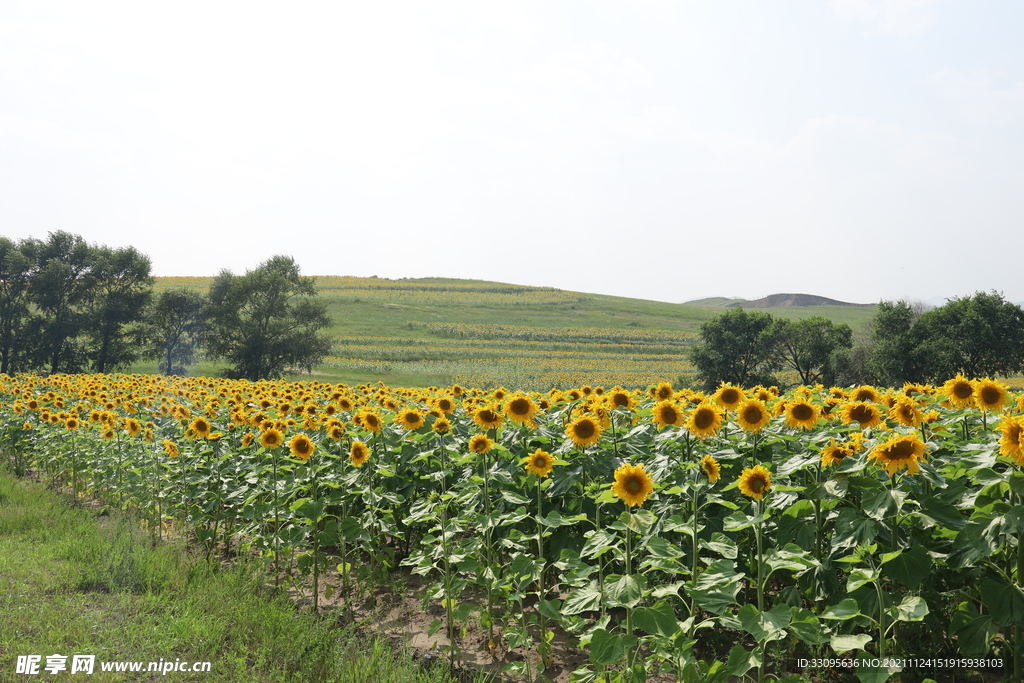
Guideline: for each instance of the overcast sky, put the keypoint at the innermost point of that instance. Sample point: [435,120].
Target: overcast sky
[856,149]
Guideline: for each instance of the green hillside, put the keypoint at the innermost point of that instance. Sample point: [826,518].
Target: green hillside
[437,331]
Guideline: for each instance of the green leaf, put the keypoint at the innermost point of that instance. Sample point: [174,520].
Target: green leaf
[514,498]
[549,608]
[659,619]
[1004,601]
[973,631]
[640,521]
[852,529]
[909,568]
[940,512]
[791,557]
[913,608]
[741,661]
[586,599]
[883,504]
[843,644]
[859,577]
[847,609]
[626,591]
[765,626]
[807,627]
[874,674]
[598,543]
[739,520]
[607,648]
[659,547]
[715,590]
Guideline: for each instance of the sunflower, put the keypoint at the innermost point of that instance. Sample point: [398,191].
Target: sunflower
[728,396]
[620,398]
[833,453]
[901,450]
[990,395]
[667,413]
[711,468]
[752,415]
[480,444]
[906,412]
[521,409]
[865,392]
[201,426]
[959,391]
[171,448]
[371,421]
[247,439]
[444,404]
[442,425]
[632,484]
[71,424]
[359,454]
[409,419]
[864,413]
[663,392]
[301,447]
[801,415]
[271,438]
[705,420]
[132,426]
[584,431]
[486,417]
[540,463]
[755,482]
[1011,443]
[108,434]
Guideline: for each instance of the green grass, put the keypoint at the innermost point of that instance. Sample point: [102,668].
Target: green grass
[403,315]
[73,581]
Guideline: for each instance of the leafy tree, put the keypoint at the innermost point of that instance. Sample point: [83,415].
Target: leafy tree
[895,354]
[16,266]
[736,347]
[979,336]
[807,346]
[176,329]
[119,289]
[59,290]
[266,320]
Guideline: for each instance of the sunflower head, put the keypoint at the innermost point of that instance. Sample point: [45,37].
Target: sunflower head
[728,396]
[632,485]
[301,447]
[755,482]
[409,419]
[201,427]
[540,463]
[480,444]
[521,409]
[442,425]
[663,392]
[620,398]
[359,453]
[371,421]
[863,413]
[444,404]
[898,452]
[584,431]
[71,424]
[711,469]
[959,391]
[865,392]
[833,453]
[752,415]
[271,438]
[705,420]
[991,395]
[1011,441]
[171,448]
[801,414]
[906,412]
[666,413]
[486,417]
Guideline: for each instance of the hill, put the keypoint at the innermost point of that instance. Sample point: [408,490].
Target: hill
[781,300]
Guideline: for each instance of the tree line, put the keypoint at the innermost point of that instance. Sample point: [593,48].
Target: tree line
[69,306]
[979,336]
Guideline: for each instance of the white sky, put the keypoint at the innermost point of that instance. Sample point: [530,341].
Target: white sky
[856,149]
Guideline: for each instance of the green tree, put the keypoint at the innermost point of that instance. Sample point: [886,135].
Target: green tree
[59,290]
[16,267]
[176,329]
[266,320]
[736,347]
[980,336]
[119,288]
[809,347]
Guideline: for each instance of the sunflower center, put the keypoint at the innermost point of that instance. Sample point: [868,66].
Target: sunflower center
[668,415]
[730,396]
[540,461]
[585,429]
[901,451]
[862,414]
[620,400]
[756,484]
[752,414]
[1014,434]
[962,390]
[703,419]
[634,485]
[802,411]
[990,396]
[520,406]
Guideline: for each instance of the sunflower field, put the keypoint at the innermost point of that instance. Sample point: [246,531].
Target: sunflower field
[825,533]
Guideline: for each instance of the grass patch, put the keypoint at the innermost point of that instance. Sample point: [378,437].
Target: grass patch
[78,581]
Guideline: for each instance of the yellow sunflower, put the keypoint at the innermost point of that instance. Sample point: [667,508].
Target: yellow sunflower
[202,427]
[444,404]
[271,438]
[521,409]
[801,415]
[959,391]
[704,421]
[728,396]
[711,468]
[632,484]
[906,412]
[171,448]
[755,482]
[486,417]
[370,421]
[1010,443]
[898,452]
[409,419]
[71,424]
[620,398]
[540,463]
[301,447]
[663,392]
[752,415]
[667,413]
[480,444]
[359,454]
[990,395]
[132,426]
[863,413]
[584,431]
[442,425]
[865,392]
[833,453]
